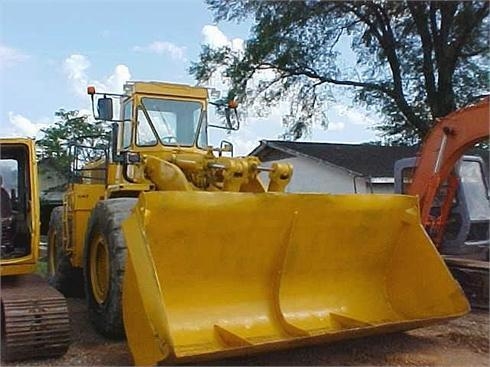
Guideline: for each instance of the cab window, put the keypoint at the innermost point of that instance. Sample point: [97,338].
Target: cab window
[145,135]
[126,126]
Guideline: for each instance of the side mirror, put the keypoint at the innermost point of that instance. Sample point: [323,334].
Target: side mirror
[230,113]
[225,146]
[104,108]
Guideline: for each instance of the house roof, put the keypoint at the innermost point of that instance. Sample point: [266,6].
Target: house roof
[359,159]
[362,159]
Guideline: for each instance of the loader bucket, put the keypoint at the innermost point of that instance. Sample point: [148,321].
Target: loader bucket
[221,274]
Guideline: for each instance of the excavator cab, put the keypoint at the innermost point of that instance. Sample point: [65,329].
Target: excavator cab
[34,316]
[16,202]
[467,229]
[475,197]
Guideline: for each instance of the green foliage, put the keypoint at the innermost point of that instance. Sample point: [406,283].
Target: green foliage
[71,128]
[414,60]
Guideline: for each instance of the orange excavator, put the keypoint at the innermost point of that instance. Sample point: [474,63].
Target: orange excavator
[454,196]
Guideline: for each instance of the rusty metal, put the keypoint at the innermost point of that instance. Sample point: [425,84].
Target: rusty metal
[473,276]
[35,321]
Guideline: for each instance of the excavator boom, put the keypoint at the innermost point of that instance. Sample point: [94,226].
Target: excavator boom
[456,194]
[445,144]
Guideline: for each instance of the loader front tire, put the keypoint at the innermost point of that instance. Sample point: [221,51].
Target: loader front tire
[104,265]
[61,274]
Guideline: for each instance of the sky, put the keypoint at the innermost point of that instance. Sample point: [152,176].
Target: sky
[51,50]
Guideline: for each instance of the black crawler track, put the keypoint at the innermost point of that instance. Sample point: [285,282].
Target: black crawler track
[35,321]
[473,276]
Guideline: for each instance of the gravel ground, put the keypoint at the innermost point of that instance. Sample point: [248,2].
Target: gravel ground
[460,342]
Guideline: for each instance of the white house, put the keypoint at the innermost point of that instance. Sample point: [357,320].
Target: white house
[335,168]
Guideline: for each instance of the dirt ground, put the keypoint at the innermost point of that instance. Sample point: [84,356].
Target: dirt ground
[460,342]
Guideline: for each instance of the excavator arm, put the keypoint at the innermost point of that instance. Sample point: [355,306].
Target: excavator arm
[451,136]
[435,165]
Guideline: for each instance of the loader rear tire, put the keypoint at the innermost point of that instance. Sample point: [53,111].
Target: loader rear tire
[104,265]
[61,274]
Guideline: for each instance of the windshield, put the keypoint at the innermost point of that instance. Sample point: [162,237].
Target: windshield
[475,190]
[174,122]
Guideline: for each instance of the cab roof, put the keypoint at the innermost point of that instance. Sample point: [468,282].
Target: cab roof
[165,89]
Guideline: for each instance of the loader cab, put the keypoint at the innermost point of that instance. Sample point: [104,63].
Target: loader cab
[154,116]
[160,121]
[157,116]
[170,123]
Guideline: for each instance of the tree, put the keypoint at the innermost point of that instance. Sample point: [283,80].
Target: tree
[415,60]
[72,128]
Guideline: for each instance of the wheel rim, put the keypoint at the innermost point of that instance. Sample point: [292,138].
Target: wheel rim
[99,268]
[52,263]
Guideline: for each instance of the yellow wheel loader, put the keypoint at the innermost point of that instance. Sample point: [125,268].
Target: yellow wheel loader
[35,320]
[191,256]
